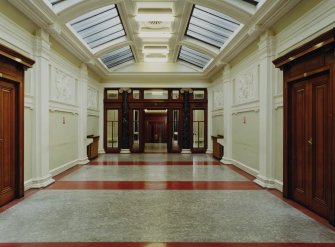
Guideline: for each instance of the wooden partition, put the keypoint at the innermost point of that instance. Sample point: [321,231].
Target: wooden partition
[12,66]
[309,130]
[169,104]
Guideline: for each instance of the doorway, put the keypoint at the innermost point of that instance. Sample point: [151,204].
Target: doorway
[309,139]
[155,130]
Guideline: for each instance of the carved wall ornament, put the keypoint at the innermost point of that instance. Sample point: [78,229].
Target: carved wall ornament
[245,88]
[64,87]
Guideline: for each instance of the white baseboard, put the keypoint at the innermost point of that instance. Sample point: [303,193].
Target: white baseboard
[209,151]
[63,168]
[102,151]
[83,161]
[38,182]
[278,185]
[244,167]
[125,151]
[186,151]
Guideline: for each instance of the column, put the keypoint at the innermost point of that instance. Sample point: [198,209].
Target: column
[125,120]
[266,81]
[186,145]
[210,94]
[82,121]
[101,120]
[227,116]
[41,174]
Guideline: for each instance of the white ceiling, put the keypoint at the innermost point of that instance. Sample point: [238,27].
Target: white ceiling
[122,52]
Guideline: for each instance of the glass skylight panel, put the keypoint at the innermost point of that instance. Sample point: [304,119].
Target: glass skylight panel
[193,57]
[99,27]
[117,57]
[210,26]
[254,2]
[59,5]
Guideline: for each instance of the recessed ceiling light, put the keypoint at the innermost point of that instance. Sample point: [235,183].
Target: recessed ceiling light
[149,49]
[154,35]
[156,58]
[146,14]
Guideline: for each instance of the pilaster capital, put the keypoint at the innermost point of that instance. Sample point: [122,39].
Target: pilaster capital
[186,90]
[124,90]
[42,44]
[226,74]
[266,44]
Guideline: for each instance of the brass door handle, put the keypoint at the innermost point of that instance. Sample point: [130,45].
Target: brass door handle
[310,141]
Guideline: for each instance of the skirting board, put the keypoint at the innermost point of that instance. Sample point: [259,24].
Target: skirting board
[244,167]
[63,168]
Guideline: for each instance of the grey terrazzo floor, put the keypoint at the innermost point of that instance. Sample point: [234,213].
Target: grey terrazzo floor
[158,216]
[154,173]
[155,157]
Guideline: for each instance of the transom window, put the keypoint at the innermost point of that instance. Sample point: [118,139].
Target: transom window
[210,26]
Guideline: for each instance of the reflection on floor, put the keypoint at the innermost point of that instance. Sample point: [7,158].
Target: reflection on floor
[158,200]
[155,147]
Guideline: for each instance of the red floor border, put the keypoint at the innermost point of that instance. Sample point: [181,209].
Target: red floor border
[175,244]
[154,185]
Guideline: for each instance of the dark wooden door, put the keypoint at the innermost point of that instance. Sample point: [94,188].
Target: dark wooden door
[308,138]
[156,128]
[8,167]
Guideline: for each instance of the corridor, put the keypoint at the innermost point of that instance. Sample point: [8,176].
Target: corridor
[158,200]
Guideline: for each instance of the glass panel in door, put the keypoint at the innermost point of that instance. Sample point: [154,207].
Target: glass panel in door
[198,129]
[112,128]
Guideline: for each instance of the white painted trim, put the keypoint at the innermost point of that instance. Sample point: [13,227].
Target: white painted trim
[264,182]
[186,151]
[83,161]
[125,151]
[36,183]
[278,102]
[244,167]
[61,107]
[93,113]
[251,106]
[63,168]
[29,102]
[217,113]
[209,151]
[311,24]
[102,151]
[15,37]
[278,185]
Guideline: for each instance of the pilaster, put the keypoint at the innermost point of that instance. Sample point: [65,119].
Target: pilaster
[266,46]
[210,121]
[227,113]
[101,120]
[40,170]
[82,121]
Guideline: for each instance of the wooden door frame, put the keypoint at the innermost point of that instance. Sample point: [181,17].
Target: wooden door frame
[106,108]
[324,45]
[198,150]
[12,67]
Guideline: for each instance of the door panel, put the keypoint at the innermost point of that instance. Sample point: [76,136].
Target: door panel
[7,142]
[319,162]
[298,126]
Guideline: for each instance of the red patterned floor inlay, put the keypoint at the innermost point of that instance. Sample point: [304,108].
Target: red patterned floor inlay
[154,185]
[91,244]
[166,163]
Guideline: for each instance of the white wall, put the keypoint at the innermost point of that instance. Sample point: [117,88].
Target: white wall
[56,107]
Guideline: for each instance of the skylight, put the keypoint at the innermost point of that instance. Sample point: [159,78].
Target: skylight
[99,26]
[193,57]
[254,2]
[59,5]
[117,57]
[210,26]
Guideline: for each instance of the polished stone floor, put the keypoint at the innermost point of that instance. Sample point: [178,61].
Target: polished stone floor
[162,201]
